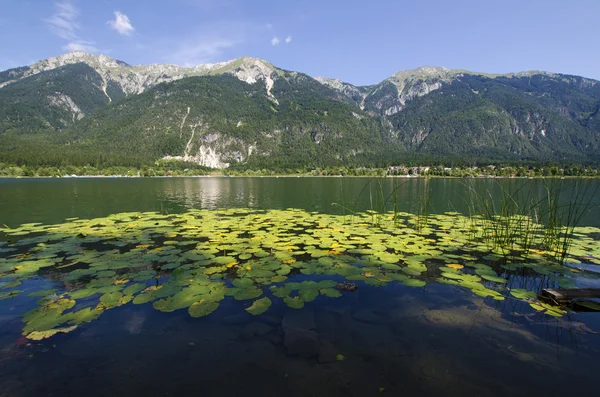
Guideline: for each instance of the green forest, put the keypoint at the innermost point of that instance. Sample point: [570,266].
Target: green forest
[64,121]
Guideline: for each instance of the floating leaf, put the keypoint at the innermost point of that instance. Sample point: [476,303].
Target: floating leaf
[10,284]
[308,294]
[246,293]
[278,279]
[495,279]
[202,308]
[9,294]
[259,306]
[111,299]
[44,292]
[536,306]
[523,294]
[39,335]
[413,282]
[242,283]
[295,302]
[281,292]
[134,289]
[83,316]
[374,282]
[144,297]
[330,292]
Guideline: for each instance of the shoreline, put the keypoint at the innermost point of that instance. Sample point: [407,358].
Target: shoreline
[297,176]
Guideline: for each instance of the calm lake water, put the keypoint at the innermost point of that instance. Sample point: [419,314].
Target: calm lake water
[388,339]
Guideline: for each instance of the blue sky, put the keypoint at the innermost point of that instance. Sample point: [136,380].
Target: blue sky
[362,42]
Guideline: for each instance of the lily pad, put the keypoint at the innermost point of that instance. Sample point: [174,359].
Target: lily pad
[295,302]
[259,306]
[495,279]
[39,335]
[413,282]
[520,293]
[134,289]
[202,308]
[246,293]
[330,292]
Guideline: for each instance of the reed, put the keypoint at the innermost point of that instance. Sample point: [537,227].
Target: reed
[523,218]
[423,206]
[559,221]
[513,220]
[379,202]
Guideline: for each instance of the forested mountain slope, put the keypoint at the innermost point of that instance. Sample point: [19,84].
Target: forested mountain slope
[89,109]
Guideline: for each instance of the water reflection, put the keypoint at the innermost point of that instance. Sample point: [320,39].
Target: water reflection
[207,193]
[50,200]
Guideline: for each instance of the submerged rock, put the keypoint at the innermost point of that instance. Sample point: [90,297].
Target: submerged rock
[301,342]
[370,316]
[300,319]
[346,286]
[255,328]
[299,338]
[237,319]
[271,320]
[328,352]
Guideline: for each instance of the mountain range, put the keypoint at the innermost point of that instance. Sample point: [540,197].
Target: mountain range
[79,108]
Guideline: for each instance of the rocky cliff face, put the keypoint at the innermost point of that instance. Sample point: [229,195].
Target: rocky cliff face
[392,95]
[356,94]
[65,103]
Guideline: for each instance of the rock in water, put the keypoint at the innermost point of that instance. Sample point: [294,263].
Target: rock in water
[300,342]
[255,328]
[347,286]
[327,352]
[300,319]
[370,316]
[237,319]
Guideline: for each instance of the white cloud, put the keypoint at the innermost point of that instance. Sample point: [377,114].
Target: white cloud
[85,46]
[121,24]
[275,41]
[288,40]
[65,25]
[196,52]
[209,43]
[64,21]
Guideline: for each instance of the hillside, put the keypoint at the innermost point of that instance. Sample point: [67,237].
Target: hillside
[90,109]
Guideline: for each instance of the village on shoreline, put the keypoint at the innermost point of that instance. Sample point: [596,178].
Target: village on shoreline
[401,171]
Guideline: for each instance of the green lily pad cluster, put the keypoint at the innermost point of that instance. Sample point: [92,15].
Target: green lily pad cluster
[197,259]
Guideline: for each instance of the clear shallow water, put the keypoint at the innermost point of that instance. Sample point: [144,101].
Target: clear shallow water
[439,339]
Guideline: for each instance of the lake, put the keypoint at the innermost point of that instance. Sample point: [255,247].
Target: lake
[296,287]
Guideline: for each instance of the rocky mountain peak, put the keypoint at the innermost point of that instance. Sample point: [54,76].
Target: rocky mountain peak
[136,79]
[92,60]
[249,69]
[421,73]
[333,83]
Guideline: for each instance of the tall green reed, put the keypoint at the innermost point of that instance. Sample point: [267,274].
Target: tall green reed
[523,217]
[379,202]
